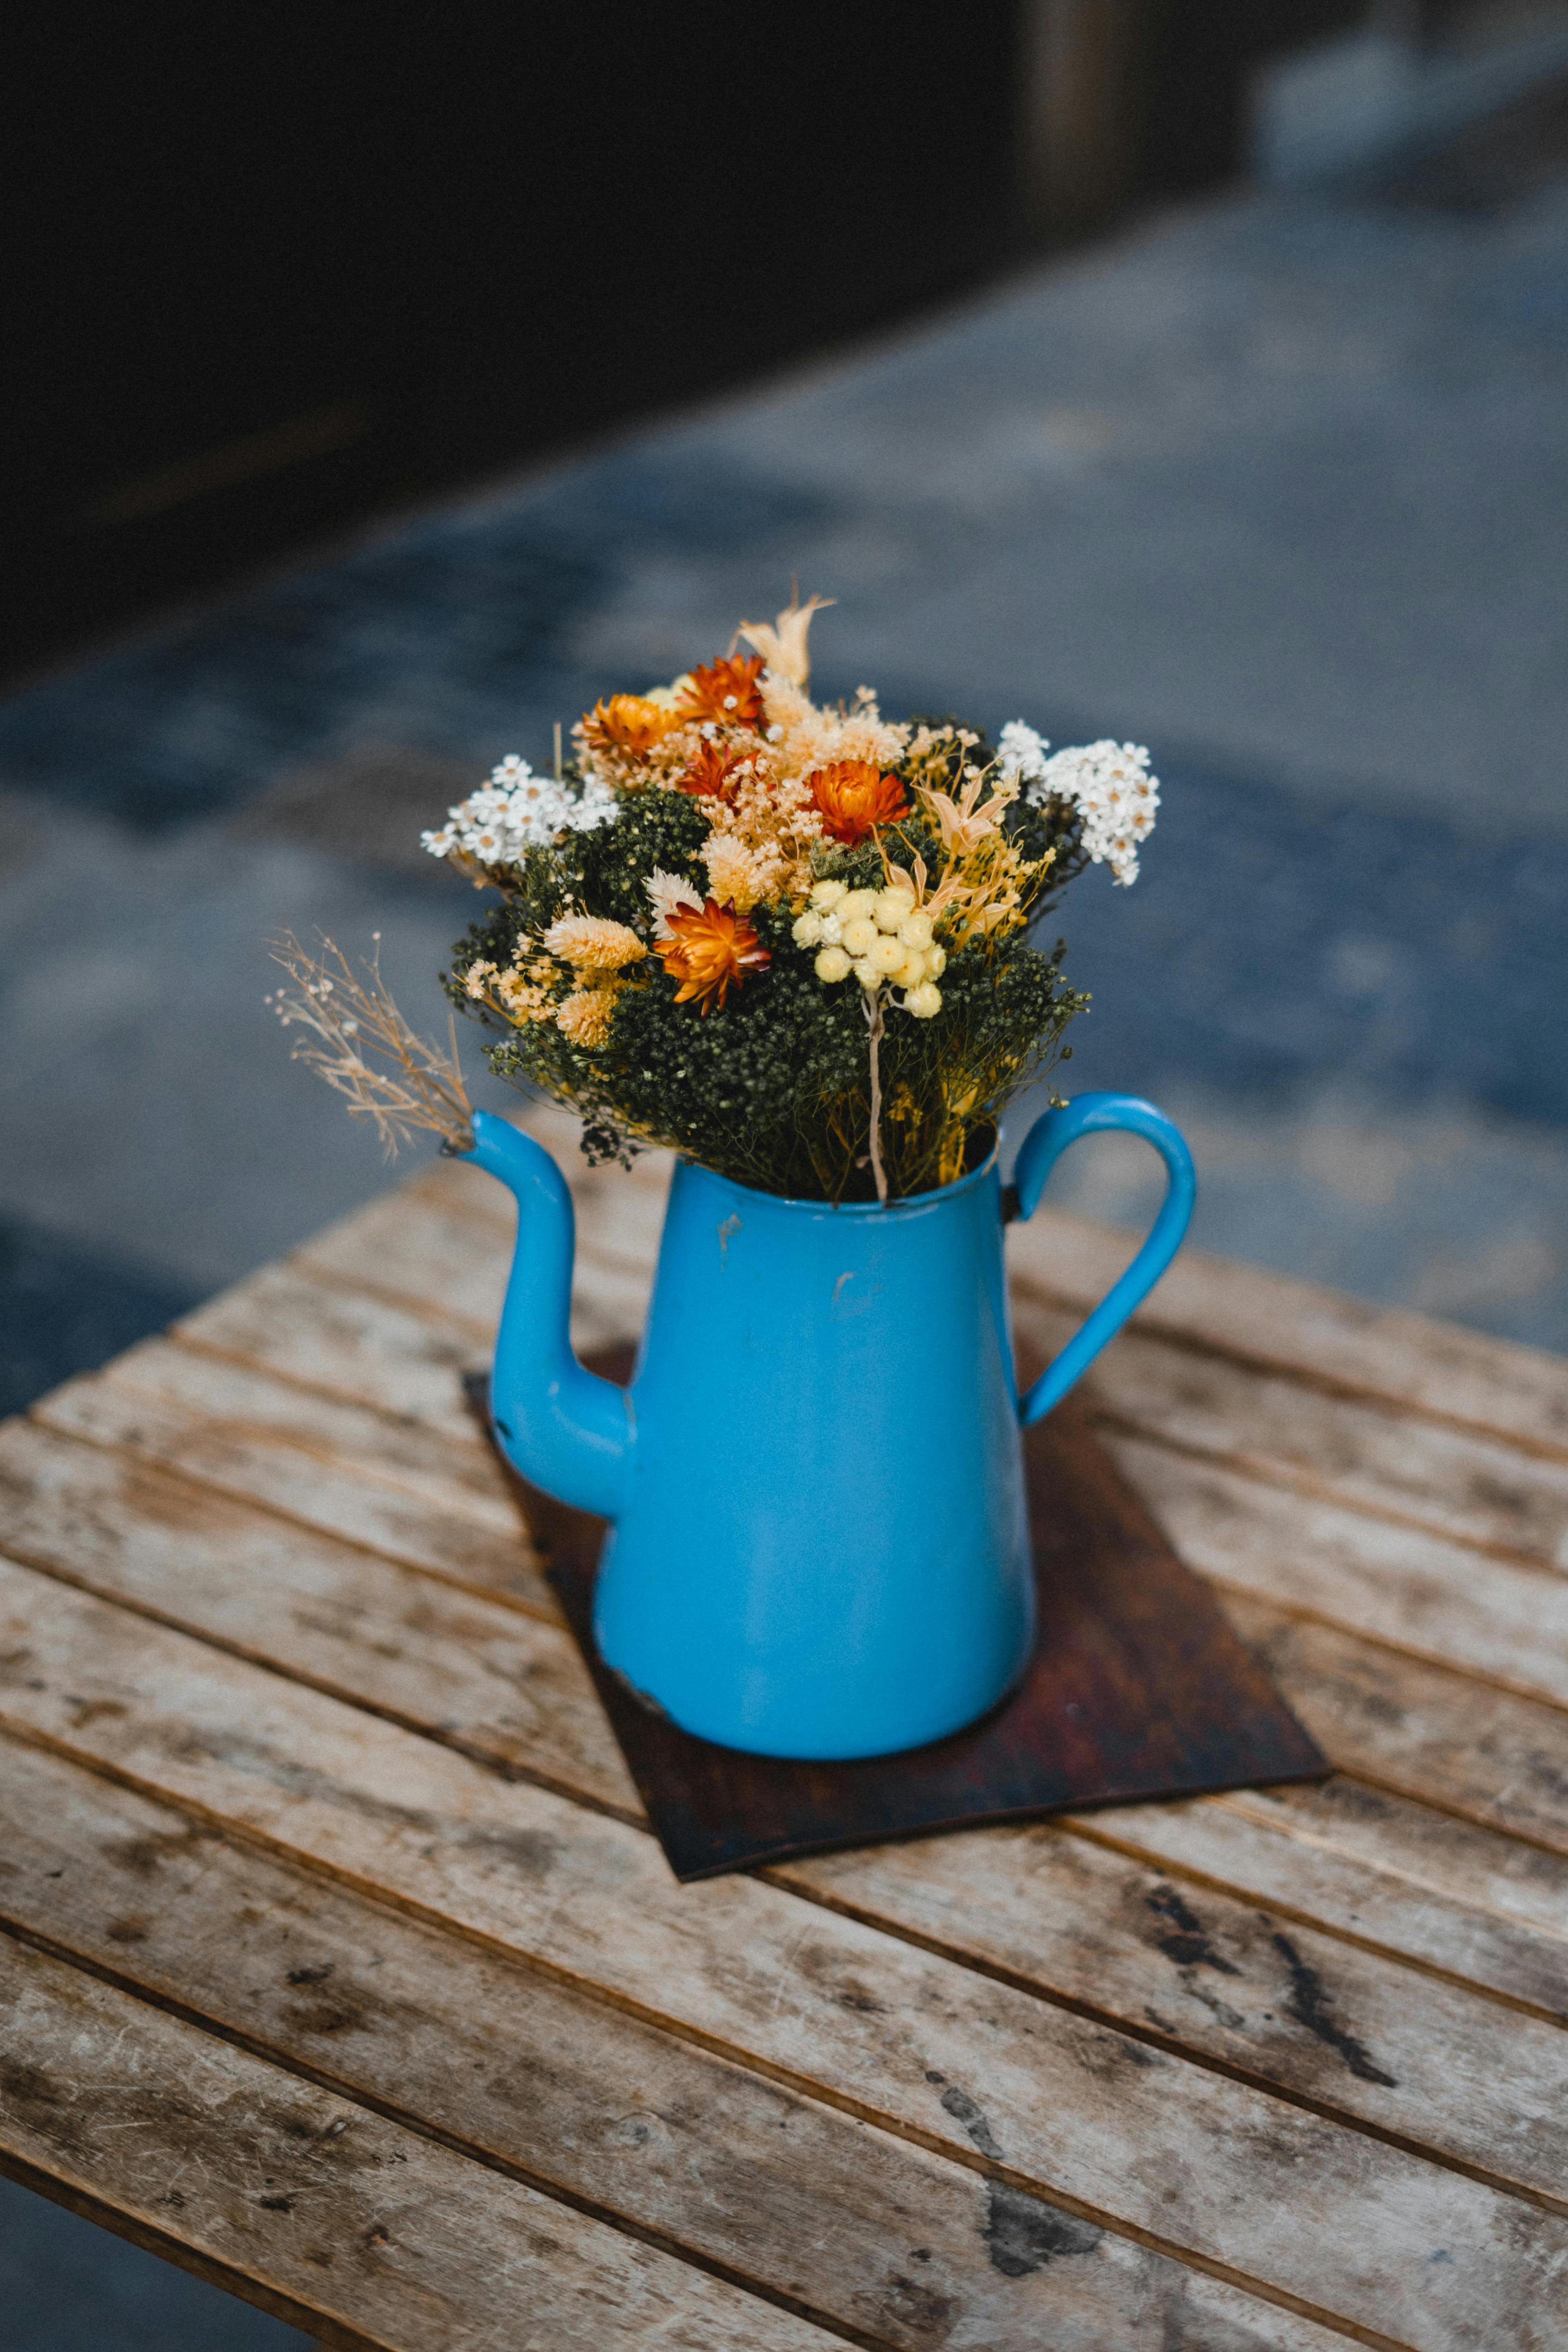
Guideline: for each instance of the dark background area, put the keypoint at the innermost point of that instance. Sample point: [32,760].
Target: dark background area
[274,270]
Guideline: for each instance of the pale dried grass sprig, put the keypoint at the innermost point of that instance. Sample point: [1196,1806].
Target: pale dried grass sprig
[360,1043]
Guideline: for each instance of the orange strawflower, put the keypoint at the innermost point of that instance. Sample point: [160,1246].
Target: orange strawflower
[710,947]
[711,775]
[627,723]
[855,797]
[726,690]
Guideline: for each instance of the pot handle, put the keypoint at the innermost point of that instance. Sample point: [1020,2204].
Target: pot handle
[1041,1149]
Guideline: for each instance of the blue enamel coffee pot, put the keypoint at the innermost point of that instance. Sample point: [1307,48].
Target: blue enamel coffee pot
[818,1545]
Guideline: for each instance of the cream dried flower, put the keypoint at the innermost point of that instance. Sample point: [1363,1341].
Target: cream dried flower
[591,943]
[735,873]
[784,646]
[669,893]
[584,1017]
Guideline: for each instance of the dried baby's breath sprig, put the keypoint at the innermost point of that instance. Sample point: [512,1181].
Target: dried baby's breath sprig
[410,1084]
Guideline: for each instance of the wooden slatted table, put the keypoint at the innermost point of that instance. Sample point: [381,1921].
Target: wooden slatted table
[340,1967]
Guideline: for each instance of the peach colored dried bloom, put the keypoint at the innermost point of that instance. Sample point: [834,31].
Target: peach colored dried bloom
[591,943]
[584,1017]
[784,646]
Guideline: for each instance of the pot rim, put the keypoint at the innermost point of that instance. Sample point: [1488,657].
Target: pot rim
[853,1208]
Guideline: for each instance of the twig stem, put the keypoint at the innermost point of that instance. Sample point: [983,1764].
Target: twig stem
[873,1004]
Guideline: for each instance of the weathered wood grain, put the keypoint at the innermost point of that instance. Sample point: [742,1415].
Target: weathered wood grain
[1435,1597]
[329,1615]
[425,1498]
[1387,1459]
[1485,1751]
[516,1696]
[334,2213]
[1282,2004]
[341,1342]
[870,2232]
[461,1666]
[413,1253]
[1375,1870]
[1130,2135]
[1430,1731]
[1268,1322]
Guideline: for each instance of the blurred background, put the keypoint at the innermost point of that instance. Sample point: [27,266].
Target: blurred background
[383,390]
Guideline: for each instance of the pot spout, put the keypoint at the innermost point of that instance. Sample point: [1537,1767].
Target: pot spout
[560,1427]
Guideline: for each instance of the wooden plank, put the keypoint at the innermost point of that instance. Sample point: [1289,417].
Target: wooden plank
[1435,1599]
[1378,1871]
[1308,1333]
[1385,1577]
[410,1248]
[867,2231]
[1376,1456]
[1209,1973]
[1429,1731]
[427,1498]
[1127,2135]
[1493,1755]
[463,1667]
[340,1342]
[329,1615]
[323,2212]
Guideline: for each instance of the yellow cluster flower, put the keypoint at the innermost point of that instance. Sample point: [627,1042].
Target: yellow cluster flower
[521,995]
[880,936]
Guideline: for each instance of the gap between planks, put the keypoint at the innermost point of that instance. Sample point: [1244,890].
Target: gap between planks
[829,2203]
[516,1766]
[895,1933]
[463,2207]
[369,1477]
[808,2088]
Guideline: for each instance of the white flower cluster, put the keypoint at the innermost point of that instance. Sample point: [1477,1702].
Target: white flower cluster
[1109,782]
[518,811]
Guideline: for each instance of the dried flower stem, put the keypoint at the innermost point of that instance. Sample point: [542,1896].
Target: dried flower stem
[873,1009]
[350,1018]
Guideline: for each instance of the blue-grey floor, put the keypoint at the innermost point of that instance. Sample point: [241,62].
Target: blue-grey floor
[1279,486]
[68,2287]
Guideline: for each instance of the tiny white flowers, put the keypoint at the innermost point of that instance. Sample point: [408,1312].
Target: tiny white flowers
[1020,753]
[1109,782]
[518,811]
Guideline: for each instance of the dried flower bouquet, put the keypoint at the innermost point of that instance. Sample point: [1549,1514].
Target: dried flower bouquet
[789,942]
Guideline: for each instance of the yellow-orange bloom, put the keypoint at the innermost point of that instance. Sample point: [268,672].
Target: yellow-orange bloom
[855,797]
[726,690]
[628,723]
[709,948]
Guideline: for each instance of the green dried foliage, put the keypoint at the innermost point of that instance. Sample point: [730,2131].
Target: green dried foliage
[773,1087]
